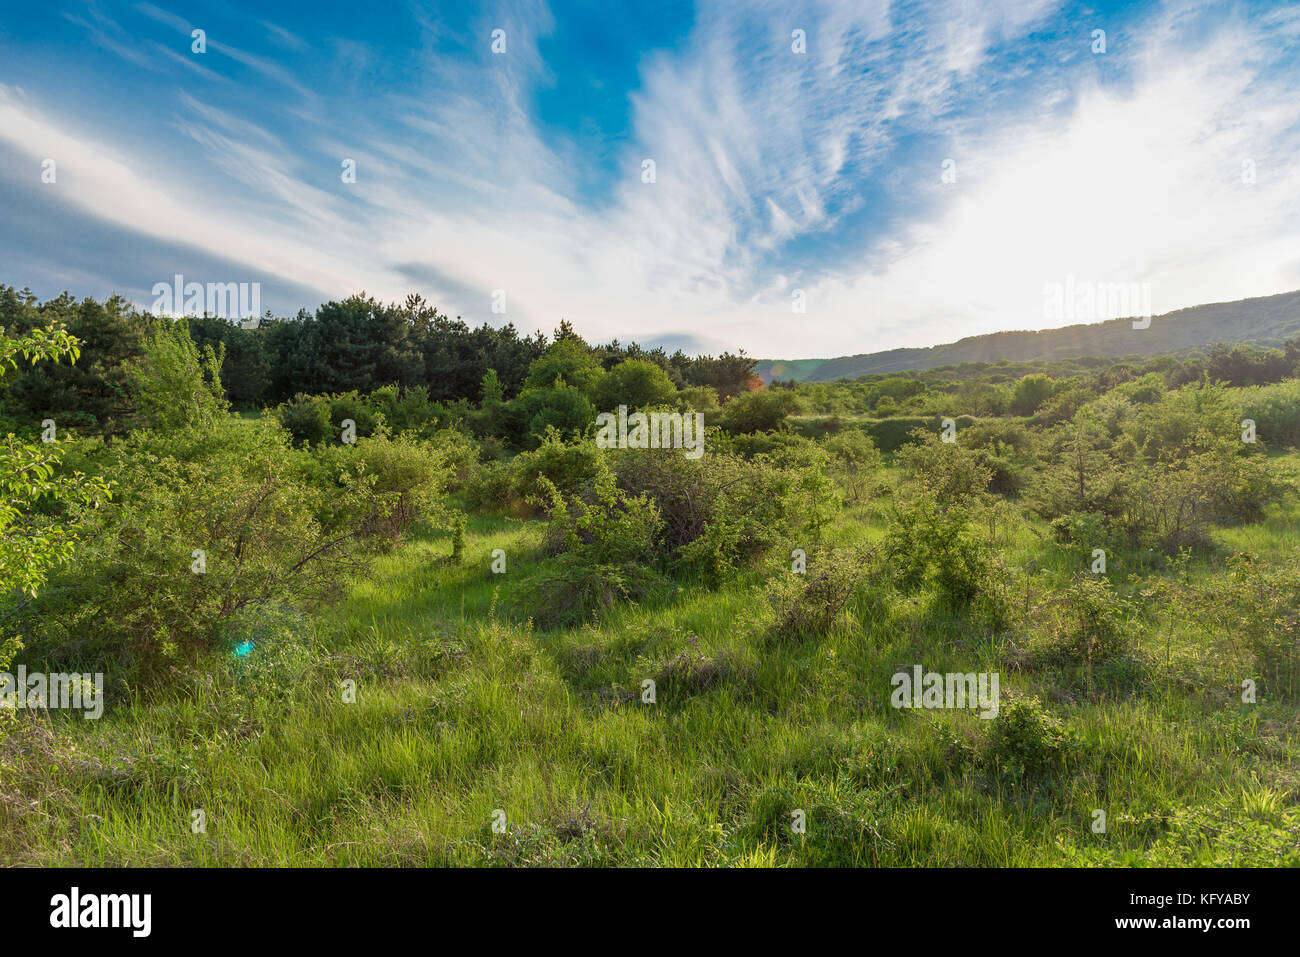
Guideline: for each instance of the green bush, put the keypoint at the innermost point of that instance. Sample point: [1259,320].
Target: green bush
[460,452]
[215,517]
[401,480]
[205,523]
[565,361]
[561,407]
[952,473]
[1030,393]
[760,411]
[356,408]
[1259,605]
[1174,504]
[858,460]
[1026,742]
[410,410]
[603,543]
[307,418]
[809,604]
[636,383]
[892,434]
[174,384]
[1008,450]
[41,503]
[720,512]
[1088,624]
[1275,409]
[932,544]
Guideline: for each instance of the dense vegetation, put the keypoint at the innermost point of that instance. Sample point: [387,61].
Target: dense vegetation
[358,581]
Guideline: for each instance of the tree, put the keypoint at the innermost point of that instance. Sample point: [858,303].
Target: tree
[91,393]
[38,506]
[562,407]
[174,384]
[360,344]
[246,371]
[1031,392]
[636,383]
[1081,476]
[568,359]
[727,374]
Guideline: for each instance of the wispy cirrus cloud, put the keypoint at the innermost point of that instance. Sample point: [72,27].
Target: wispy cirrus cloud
[775,171]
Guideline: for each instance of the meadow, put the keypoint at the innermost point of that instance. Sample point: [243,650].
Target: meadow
[455,641]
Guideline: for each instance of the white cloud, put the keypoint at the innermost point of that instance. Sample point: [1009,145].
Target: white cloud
[1145,187]
[756,148]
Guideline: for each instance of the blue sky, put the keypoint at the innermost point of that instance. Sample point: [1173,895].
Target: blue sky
[779,175]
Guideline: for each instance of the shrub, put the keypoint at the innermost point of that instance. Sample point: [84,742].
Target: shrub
[749,445]
[560,407]
[1008,450]
[891,434]
[1259,608]
[410,410]
[492,488]
[352,406]
[692,671]
[460,452]
[1080,474]
[811,605]
[1083,530]
[684,491]
[174,384]
[603,544]
[1170,505]
[932,544]
[307,419]
[606,527]
[700,398]
[516,486]
[1030,392]
[760,411]
[568,361]
[401,480]
[636,383]
[1062,405]
[951,472]
[572,592]
[1089,624]
[1275,410]
[568,465]
[720,512]
[858,459]
[203,526]
[41,505]
[458,539]
[1026,742]
[210,523]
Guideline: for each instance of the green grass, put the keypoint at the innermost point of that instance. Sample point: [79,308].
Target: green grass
[463,708]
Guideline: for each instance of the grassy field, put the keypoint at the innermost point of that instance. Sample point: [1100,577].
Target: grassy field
[463,710]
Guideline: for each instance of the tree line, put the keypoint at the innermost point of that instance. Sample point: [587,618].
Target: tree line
[357,344]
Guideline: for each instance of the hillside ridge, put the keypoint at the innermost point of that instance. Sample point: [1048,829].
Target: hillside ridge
[1260,321]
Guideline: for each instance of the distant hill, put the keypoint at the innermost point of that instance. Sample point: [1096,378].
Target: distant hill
[1264,321]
